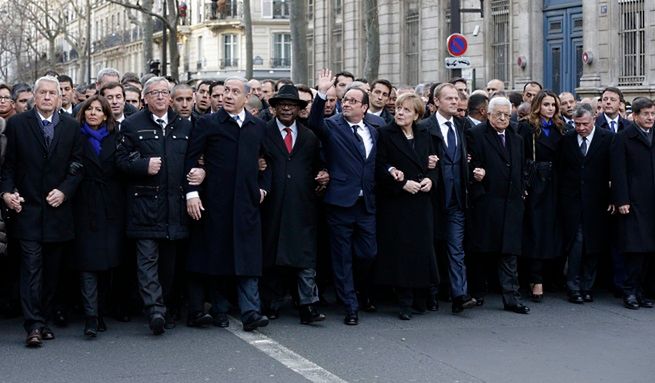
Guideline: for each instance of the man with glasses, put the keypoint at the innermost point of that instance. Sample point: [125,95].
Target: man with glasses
[151,153]
[6,103]
[496,203]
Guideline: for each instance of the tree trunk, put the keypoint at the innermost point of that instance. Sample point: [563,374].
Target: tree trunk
[147,35]
[247,23]
[173,50]
[372,63]
[298,21]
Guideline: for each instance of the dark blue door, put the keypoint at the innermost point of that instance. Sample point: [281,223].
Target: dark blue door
[563,48]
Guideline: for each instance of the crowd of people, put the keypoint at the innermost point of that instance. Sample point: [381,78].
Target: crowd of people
[146,195]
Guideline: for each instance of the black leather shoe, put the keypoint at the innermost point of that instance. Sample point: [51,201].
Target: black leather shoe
[432,303]
[169,323]
[631,302]
[479,301]
[273,314]
[405,314]
[309,314]
[34,339]
[221,320]
[575,297]
[351,319]
[368,306]
[91,327]
[199,319]
[518,308]
[157,323]
[463,302]
[645,303]
[60,319]
[255,321]
[46,333]
[587,297]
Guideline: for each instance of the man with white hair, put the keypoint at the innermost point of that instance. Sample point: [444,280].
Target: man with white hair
[496,201]
[41,171]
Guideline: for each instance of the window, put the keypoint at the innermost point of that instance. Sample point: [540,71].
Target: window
[336,41]
[199,52]
[632,49]
[310,58]
[281,50]
[229,51]
[500,38]
[280,9]
[411,46]
[310,10]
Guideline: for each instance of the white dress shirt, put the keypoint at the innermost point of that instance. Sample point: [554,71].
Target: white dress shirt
[444,128]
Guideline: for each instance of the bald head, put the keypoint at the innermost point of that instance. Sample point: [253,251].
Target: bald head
[494,86]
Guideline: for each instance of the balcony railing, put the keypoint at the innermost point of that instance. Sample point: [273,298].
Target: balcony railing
[229,63]
[230,10]
[279,62]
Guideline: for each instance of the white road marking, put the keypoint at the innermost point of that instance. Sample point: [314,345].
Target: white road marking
[290,359]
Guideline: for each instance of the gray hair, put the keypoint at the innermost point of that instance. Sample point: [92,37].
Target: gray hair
[43,79]
[582,110]
[355,84]
[153,80]
[107,72]
[246,86]
[498,101]
[180,86]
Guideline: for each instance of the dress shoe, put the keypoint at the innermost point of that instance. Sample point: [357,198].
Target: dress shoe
[199,319]
[368,306]
[518,308]
[575,297]
[256,320]
[91,327]
[432,303]
[645,303]
[463,302]
[169,321]
[631,302]
[587,297]
[60,319]
[46,333]
[34,338]
[309,314]
[351,319]
[405,314]
[479,301]
[536,292]
[272,314]
[221,320]
[157,323]
[102,326]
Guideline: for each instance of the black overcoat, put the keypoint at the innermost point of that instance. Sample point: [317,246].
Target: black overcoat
[99,209]
[405,221]
[495,219]
[156,204]
[633,183]
[228,238]
[34,170]
[541,231]
[289,212]
[584,191]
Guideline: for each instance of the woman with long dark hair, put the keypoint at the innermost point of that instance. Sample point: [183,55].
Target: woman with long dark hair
[98,210]
[541,134]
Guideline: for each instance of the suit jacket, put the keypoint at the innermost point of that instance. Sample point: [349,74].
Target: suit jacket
[633,183]
[228,238]
[496,211]
[601,122]
[584,190]
[34,169]
[290,210]
[350,171]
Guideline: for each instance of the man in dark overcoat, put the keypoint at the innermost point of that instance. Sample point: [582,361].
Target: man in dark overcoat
[151,154]
[584,200]
[228,240]
[496,197]
[633,188]
[42,170]
[289,213]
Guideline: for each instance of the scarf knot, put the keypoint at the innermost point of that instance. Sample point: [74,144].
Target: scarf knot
[95,137]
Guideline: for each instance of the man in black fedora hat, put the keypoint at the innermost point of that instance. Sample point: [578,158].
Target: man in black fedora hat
[289,214]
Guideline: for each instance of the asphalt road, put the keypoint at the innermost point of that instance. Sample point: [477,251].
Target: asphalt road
[557,342]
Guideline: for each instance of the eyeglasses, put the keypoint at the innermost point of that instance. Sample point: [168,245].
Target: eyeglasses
[351,101]
[500,115]
[156,93]
[5,98]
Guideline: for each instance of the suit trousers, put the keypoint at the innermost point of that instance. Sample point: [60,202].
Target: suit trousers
[506,267]
[352,236]
[277,279]
[636,267]
[201,288]
[247,295]
[39,274]
[581,272]
[93,285]
[454,219]
[155,263]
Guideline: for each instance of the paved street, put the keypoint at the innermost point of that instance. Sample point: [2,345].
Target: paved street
[557,342]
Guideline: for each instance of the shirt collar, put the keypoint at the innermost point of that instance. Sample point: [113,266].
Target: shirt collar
[281,126]
[609,120]
[589,137]
[164,117]
[121,118]
[49,119]
[241,114]
[442,120]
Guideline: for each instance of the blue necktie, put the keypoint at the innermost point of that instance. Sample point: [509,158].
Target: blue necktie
[48,131]
[360,142]
[613,126]
[583,147]
[452,143]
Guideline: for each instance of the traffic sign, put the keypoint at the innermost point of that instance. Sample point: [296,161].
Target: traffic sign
[458,62]
[457,44]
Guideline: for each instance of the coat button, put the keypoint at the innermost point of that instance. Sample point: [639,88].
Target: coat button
[507,164]
[140,137]
[174,137]
[289,176]
[156,137]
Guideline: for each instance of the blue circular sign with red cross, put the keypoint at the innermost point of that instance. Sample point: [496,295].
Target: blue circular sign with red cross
[457,44]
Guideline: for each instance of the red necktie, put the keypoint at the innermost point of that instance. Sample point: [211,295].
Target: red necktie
[288,140]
